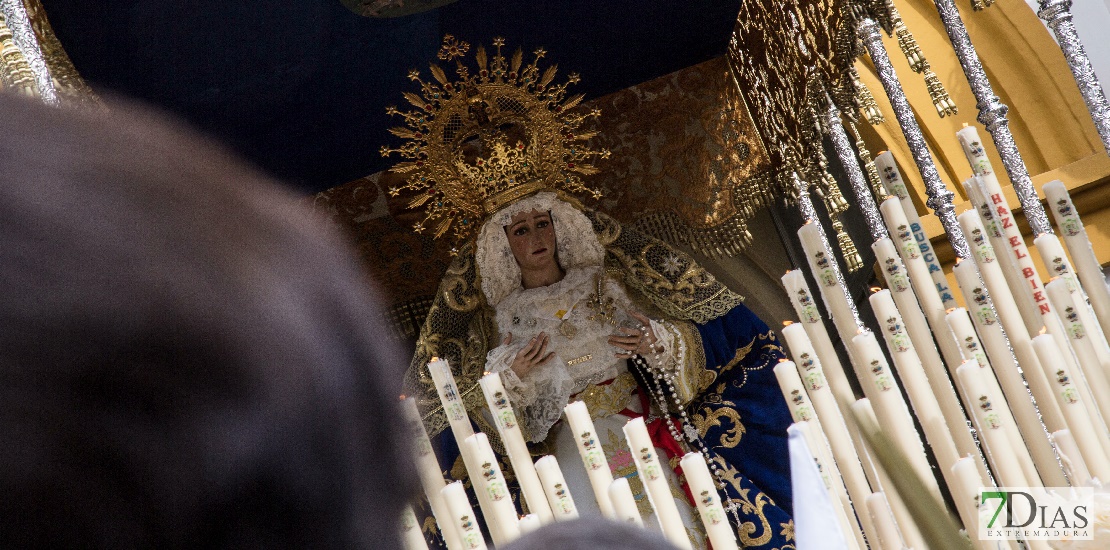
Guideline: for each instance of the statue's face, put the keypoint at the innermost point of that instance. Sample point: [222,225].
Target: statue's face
[532,240]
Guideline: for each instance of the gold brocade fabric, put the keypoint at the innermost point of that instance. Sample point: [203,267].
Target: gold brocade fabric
[785,57]
[684,147]
[460,326]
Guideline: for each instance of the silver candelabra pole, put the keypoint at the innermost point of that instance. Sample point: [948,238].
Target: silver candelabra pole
[992,114]
[864,201]
[24,38]
[1057,13]
[940,198]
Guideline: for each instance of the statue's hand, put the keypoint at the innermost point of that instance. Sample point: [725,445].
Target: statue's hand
[636,341]
[532,355]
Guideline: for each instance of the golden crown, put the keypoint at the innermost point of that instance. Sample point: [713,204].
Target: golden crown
[483,140]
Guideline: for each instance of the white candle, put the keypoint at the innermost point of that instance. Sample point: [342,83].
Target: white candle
[529,523]
[993,235]
[1070,401]
[624,503]
[431,477]
[490,481]
[924,402]
[558,494]
[411,536]
[521,460]
[881,515]
[960,323]
[713,517]
[892,180]
[455,411]
[593,456]
[920,334]
[463,516]
[1057,264]
[1002,363]
[965,493]
[1087,266]
[453,406]
[836,430]
[790,383]
[805,306]
[987,182]
[1000,450]
[931,304]
[1072,459]
[823,265]
[862,411]
[1091,380]
[882,390]
[655,482]
[1011,319]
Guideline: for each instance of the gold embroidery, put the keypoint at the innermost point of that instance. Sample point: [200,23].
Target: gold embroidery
[712,417]
[787,530]
[694,376]
[747,507]
[609,399]
[740,355]
[578,360]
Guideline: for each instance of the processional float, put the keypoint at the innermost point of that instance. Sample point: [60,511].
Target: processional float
[1011,390]
[1023,366]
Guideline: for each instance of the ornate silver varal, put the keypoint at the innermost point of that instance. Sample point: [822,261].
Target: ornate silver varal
[809,214]
[1057,14]
[24,38]
[940,198]
[992,114]
[864,201]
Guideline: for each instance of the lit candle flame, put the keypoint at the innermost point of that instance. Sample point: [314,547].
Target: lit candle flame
[875,289]
[787,323]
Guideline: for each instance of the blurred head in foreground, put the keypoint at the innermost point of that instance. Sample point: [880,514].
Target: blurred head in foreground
[188,358]
[591,534]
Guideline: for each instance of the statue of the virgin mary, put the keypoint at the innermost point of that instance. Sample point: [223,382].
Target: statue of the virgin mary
[566,304]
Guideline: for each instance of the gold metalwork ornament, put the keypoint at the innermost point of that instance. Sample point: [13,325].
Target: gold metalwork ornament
[909,46]
[15,72]
[979,5]
[869,167]
[941,100]
[867,104]
[476,142]
[847,248]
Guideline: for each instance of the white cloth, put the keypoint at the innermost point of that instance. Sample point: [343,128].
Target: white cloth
[815,523]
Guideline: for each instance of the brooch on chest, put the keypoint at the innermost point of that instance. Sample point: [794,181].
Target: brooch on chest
[602,306]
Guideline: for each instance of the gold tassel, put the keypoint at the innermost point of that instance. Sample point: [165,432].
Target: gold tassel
[834,200]
[867,104]
[980,5]
[909,45]
[869,167]
[847,248]
[15,72]
[941,100]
